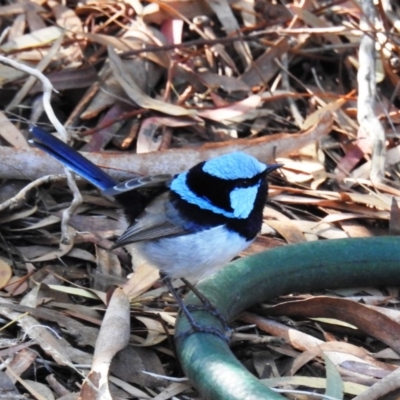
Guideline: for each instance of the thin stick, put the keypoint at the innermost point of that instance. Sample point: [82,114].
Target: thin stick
[15,200]
[47,91]
[366,115]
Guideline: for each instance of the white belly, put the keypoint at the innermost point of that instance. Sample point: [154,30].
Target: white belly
[194,256]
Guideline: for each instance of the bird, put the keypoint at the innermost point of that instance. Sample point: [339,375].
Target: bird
[187,225]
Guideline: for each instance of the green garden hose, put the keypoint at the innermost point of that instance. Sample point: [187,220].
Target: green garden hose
[207,359]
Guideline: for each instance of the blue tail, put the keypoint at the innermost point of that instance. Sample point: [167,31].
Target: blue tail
[71,158]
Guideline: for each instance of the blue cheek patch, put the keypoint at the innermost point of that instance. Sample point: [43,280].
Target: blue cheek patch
[242,200]
[234,166]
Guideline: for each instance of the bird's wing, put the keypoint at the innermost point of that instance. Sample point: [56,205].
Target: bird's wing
[158,220]
[143,182]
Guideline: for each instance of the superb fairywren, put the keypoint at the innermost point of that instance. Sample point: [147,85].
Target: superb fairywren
[188,225]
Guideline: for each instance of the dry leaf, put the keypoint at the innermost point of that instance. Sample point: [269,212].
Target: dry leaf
[38,38]
[113,337]
[141,280]
[136,94]
[5,272]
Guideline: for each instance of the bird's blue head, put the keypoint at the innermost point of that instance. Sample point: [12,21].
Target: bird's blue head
[229,185]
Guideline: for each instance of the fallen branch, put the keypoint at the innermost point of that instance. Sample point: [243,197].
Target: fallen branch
[31,164]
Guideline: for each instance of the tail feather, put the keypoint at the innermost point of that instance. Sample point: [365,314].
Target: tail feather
[71,158]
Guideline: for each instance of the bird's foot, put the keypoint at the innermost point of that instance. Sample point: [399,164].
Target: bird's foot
[207,305]
[197,328]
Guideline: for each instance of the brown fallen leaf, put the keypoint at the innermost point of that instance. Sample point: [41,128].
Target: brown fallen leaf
[58,348]
[35,39]
[265,66]
[394,222]
[132,363]
[17,285]
[11,134]
[238,112]
[134,92]
[5,271]
[141,280]
[113,337]
[290,232]
[63,249]
[368,320]
[21,362]
[312,347]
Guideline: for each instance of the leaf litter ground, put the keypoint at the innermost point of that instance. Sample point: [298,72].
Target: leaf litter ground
[279,81]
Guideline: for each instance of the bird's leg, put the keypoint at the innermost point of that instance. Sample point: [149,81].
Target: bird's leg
[207,305]
[196,327]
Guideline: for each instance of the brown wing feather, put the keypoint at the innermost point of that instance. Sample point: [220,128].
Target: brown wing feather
[155,222]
